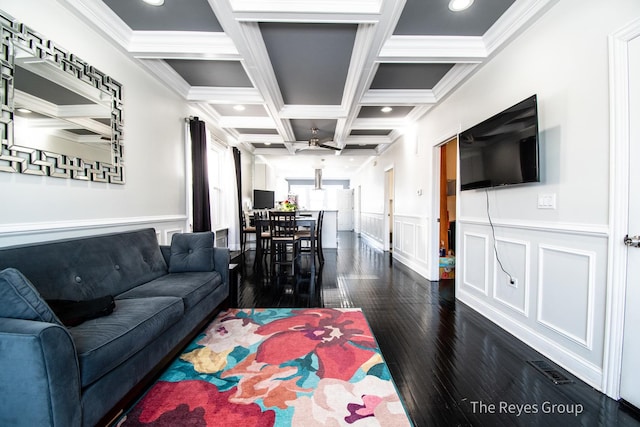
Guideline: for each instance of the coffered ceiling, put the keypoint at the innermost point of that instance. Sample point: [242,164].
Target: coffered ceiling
[294,65]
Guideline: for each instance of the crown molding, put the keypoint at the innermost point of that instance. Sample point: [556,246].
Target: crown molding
[456,75]
[514,21]
[102,18]
[167,75]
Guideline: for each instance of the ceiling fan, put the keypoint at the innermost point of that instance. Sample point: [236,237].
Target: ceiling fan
[315,142]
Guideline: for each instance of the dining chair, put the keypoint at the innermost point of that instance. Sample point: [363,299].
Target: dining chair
[305,236]
[247,229]
[284,243]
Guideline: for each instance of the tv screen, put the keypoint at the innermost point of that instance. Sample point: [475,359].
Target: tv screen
[502,150]
[263,199]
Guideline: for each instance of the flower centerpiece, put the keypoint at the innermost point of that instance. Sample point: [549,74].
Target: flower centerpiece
[288,205]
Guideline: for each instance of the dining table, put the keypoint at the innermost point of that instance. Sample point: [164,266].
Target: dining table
[307,222]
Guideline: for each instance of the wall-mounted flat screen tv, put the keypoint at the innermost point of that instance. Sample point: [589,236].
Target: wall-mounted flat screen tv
[502,150]
[263,199]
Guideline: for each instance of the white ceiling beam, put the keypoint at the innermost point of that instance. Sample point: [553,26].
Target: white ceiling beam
[398,97]
[312,112]
[433,49]
[378,123]
[368,140]
[372,39]
[182,45]
[247,122]
[248,40]
[315,7]
[271,151]
[260,138]
[224,95]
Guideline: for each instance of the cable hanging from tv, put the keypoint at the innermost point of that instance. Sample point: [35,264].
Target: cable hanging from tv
[495,246]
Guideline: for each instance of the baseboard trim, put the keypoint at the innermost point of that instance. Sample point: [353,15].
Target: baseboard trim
[371,241]
[583,369]
[419,268]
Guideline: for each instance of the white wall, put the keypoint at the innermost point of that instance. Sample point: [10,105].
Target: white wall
[247,167]
[559,257]
[37,208]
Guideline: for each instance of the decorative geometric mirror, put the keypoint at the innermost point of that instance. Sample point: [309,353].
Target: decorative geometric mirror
[60,116]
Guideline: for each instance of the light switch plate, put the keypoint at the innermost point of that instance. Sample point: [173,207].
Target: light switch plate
[547,201]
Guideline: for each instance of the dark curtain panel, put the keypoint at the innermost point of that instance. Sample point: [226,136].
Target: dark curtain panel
[236,160]
[201,203]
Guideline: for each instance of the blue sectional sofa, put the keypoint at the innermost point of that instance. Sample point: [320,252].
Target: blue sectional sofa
[57,375]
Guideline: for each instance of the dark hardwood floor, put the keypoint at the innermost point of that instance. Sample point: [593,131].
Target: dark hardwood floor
[451,365]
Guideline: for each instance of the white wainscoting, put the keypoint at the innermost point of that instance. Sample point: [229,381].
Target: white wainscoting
[516,260]
[475,271]
[165,226]
[566,284]
[411,242]
[557,302]
[372,229]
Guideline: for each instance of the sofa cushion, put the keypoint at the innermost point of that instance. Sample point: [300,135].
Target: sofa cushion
[191,287]
[191,252]
[19,299]
[72,313]
[106,342]
[88,267]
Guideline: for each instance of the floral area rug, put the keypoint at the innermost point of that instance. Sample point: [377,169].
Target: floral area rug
[276,367]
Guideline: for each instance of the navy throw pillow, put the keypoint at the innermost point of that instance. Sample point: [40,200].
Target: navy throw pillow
[191,252]
[19,299]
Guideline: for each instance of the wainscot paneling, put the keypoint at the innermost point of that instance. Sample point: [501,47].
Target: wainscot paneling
[558,301]
[566,285]
[16,234]
[475,269]
[372,229]
[411,242]
[515,257]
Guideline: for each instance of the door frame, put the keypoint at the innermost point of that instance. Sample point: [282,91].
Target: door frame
[620,140]
[435,205]
[388,213]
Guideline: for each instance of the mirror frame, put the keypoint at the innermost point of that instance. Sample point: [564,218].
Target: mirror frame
[26,160]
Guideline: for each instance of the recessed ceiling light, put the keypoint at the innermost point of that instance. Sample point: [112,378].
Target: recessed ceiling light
[458,5]
[154,2]
[267,143]
[386,109]
[239,107]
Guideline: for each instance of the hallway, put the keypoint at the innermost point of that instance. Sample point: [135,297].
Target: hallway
[451,365]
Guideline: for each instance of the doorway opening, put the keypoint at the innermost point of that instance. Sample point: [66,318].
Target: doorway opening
[388,195]
[447,202]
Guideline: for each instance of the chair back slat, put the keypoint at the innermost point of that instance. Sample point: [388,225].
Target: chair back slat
[283,224]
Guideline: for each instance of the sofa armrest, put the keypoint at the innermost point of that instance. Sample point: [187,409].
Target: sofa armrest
[221,260]
[40,379]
